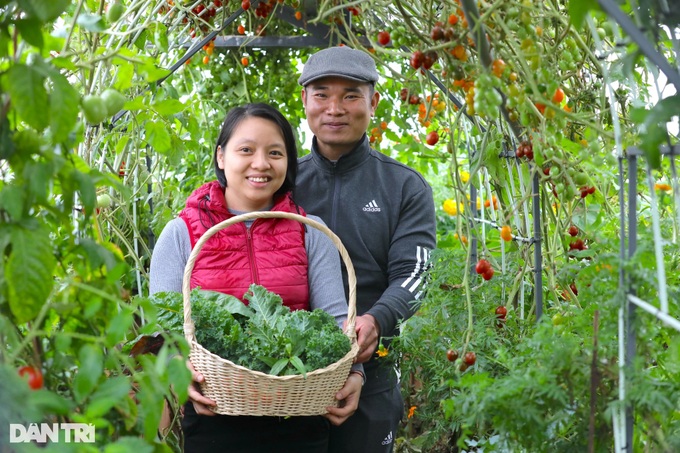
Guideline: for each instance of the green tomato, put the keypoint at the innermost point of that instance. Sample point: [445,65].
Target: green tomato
[104,201]
[581,179]
[557,319]
[115,11]
[114,101]
[94,108]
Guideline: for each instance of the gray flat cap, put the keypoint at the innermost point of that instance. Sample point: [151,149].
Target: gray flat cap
[342,62]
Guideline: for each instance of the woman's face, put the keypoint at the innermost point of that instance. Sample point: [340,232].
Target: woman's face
[254,163]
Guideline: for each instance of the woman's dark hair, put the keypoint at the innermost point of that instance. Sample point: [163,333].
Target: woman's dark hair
[267,112]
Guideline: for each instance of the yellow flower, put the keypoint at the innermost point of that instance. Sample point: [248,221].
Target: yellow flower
[464,176]
[662,186]
[411,411]
[382,351]
[450,207]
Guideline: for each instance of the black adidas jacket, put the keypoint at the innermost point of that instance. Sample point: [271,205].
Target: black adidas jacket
[383,212]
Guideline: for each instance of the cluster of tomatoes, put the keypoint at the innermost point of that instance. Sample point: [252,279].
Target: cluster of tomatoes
[263,9]
[575,245]
[425,60]
[585,191]
[525,149]
[484,269]
[377,133]
[469,358]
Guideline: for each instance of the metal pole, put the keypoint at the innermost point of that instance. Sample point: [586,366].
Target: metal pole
[538,263]
[631,307]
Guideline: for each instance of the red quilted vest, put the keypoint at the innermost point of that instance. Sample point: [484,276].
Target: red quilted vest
[271,253]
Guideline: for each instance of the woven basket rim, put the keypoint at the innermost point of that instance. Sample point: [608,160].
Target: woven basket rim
[354,347]
[189,326]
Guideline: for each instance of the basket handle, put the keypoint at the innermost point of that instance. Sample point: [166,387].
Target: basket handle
[189,327]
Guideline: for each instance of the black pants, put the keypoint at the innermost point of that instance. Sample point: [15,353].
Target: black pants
[373,427]
[224,433]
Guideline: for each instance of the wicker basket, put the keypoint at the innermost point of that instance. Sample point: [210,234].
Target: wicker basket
[240,391]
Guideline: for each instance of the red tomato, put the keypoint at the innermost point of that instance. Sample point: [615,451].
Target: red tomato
[384,38]
[32,375]
[452,355]
[432,138]
[501,311]
[470,358]
[482,266]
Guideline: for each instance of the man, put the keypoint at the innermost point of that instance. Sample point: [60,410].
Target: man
[383,212]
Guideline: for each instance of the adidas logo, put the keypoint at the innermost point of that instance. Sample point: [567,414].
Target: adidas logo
[372,207]
[388,439]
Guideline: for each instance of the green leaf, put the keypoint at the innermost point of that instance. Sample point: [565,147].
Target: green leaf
[7,147]
[29,272]
[180,377]
[64,100]
[168,107]
[90,369]
[578,9]
[299,366]
[230,303]
[31,31]
[170,317]
[160,37]
[12,201]
[50,402]
[91,22]
[108,395]
[128,444]
[158,136]
[152,73]
[29,96]
[45,10]
[279,366]
[118,327]
[86,189]
[124,77]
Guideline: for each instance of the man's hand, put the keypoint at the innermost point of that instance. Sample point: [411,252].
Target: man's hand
[368,333]
[201,403]
[348,396]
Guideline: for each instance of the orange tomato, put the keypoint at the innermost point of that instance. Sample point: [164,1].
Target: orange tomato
[558,97]
[498,67]
[506,233]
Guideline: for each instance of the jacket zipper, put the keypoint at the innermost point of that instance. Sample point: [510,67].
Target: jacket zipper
[251,254]
[336,191]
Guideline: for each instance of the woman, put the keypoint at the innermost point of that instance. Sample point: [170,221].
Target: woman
[255,164]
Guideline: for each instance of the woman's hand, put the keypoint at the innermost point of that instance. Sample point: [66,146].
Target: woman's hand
[368,333]
[201,403]
[348,398]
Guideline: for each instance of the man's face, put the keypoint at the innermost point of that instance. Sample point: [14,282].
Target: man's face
[338,113]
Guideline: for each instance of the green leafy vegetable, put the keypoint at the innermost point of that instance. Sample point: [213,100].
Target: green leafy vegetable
[262,336]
